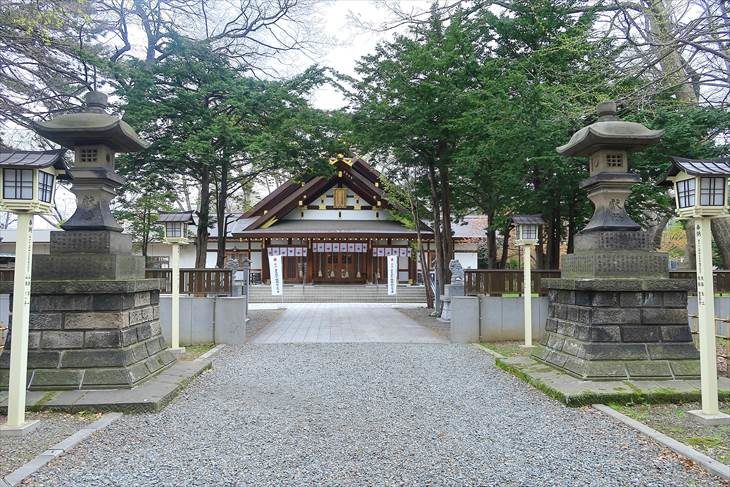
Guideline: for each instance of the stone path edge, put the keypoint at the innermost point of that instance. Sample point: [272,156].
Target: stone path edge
[708,463]
[25,471]
[141,399]
[587,399]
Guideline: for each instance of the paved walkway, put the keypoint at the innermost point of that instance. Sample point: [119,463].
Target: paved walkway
[345,323]
[365,414]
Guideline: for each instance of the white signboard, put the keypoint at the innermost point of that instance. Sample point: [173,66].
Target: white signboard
[277,275]
[392,275]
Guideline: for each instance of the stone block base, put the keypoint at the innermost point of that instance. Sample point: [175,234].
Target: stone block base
[88,266]
[93,335]
[625,329]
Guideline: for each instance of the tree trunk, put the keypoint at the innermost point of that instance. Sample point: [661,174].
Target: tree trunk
[436,213]
[690,261]
[505,248]
[491,241]
[146,224]
[571,225]
[201,249]
[661,30]
[447,235]
[540,249]
[656,229]
[222,224]
[721,234]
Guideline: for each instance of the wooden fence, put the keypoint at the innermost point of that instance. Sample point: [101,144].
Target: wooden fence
[196,281]
[497,282]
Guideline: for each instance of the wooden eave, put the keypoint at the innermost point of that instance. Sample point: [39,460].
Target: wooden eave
[290,202]
[273,198]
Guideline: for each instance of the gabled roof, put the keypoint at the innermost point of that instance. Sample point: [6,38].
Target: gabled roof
[353,172]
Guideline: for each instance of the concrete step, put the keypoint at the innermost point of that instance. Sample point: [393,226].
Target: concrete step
[338,294]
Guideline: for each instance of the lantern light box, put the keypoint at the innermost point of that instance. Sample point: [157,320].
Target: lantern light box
[700,186]
[176,225]
[28,179]
[527,228]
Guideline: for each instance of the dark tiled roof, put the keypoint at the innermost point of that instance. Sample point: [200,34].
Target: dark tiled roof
[699,167]
[528,220]
[34,159]
[182,217]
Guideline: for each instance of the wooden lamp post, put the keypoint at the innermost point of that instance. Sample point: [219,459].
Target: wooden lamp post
[176,234]
[527,231]
[27,188]
[701,192]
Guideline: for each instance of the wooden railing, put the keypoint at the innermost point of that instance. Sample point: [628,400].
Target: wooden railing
[497,282]
[196,281]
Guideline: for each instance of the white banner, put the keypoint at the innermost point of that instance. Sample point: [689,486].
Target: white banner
[277,275]
[392,275]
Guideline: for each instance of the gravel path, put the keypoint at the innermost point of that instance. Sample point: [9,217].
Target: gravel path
[54,427]
[365,414]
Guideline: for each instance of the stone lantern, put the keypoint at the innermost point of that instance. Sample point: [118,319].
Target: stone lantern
[614,314]
[94,318]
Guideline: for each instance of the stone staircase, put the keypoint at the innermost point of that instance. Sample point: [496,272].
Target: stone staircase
[352,293]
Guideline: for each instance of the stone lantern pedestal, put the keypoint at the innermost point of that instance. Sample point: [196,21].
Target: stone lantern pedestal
[615,314]
[94,318]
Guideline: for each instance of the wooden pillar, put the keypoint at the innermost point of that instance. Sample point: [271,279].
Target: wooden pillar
[264,260]
[310,261]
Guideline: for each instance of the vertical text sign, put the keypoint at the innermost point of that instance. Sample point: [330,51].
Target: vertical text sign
[277,277]
[392,275]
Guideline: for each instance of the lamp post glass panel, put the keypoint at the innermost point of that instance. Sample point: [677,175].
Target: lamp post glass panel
[27,187]
[176,233]
[701,192]
[528,227]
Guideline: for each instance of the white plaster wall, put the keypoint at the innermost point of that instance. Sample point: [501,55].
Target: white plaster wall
[357,215]
[468,259]
[465,246]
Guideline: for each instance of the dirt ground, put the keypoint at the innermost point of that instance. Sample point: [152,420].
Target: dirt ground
[423,318]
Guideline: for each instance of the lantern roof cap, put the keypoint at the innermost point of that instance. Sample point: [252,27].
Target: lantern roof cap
[35,160]
[91,125]
[609,132]
[697,167]
[176,217]
[527,220]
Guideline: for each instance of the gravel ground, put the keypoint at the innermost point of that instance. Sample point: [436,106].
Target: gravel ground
[54,427]
[366,414]
[422,316]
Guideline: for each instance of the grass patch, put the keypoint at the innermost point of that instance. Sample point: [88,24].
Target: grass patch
[194,351]
[509,349]
[672,420]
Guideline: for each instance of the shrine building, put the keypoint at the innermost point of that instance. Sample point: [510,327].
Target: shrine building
[334,230]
